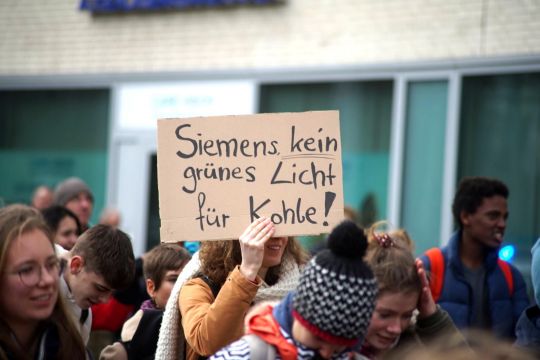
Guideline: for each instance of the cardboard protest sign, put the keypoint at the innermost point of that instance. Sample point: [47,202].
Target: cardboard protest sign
[216,175]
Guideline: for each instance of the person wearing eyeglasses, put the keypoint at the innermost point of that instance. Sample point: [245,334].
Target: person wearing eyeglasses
[33,321]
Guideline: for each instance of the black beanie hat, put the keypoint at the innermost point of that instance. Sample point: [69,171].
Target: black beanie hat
[336,293]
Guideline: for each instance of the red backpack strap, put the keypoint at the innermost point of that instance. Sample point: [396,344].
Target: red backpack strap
[436,280]
[507,272]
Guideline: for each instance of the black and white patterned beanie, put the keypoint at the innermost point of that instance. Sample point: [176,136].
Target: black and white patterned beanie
[336,294]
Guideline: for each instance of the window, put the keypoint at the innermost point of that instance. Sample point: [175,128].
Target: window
[47,136]
[424,161]
[500,137]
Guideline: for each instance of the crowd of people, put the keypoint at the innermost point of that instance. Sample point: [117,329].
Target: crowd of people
[71,290]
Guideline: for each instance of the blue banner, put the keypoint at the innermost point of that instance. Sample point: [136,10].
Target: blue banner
[137,5]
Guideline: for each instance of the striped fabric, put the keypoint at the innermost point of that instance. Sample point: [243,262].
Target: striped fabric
[239,350]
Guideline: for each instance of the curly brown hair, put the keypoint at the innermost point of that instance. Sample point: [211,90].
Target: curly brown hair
[219,258]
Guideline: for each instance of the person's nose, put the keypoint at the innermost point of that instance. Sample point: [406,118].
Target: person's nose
[47,277]
[395,327]
[85,203]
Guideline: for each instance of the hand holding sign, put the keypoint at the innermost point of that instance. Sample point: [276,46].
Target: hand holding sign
[252,244]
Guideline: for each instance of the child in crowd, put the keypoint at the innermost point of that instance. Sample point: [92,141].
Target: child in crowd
[34,323]
[326,316]
[64,224]
[101,261]
[232,275]
[404,293]
[162,265]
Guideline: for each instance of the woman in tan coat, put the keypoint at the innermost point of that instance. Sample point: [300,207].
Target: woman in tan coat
[257,267]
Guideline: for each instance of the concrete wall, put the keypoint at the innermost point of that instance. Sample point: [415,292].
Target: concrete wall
[54,37]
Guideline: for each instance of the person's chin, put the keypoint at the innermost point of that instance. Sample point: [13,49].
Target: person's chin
[43,313]
[85,304]
[384,343]
[271,263]
[493,243]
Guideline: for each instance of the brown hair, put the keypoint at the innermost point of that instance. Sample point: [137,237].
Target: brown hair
[219,258]
[162,258]
[389,254]
[107,251]
[16,220]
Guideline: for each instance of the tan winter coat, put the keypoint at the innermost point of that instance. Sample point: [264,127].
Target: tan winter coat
[210,325]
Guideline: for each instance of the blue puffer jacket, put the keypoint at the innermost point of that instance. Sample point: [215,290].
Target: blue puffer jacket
[456,293]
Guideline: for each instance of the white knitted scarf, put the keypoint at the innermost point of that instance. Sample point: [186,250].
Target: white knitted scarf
[169,348]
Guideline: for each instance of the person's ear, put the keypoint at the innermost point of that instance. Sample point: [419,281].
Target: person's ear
[76,264]
[150,288]
[464,217]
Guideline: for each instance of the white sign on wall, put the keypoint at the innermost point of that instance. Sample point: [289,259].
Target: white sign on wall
[138,106]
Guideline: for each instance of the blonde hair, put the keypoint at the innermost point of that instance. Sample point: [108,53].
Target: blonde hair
[390,256]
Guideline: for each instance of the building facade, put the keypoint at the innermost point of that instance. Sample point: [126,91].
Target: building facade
[429,91]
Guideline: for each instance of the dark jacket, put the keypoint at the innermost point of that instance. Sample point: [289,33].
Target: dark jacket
[528,330]
[48,345]
[139,341]
[504,308]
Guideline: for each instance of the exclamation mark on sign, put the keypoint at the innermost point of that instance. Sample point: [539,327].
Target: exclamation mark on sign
[328,201]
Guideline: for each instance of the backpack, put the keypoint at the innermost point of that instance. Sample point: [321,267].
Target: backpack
[436,281]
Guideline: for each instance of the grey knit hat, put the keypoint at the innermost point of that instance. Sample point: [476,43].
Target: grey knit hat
[70,188]
[336,294]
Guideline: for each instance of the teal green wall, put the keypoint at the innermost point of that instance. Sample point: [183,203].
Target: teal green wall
[47,136]
[424,162]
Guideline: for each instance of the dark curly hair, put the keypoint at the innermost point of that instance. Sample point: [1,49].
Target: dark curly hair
[472,191]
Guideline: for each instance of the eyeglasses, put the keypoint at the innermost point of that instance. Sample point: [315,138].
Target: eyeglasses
[31,274]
